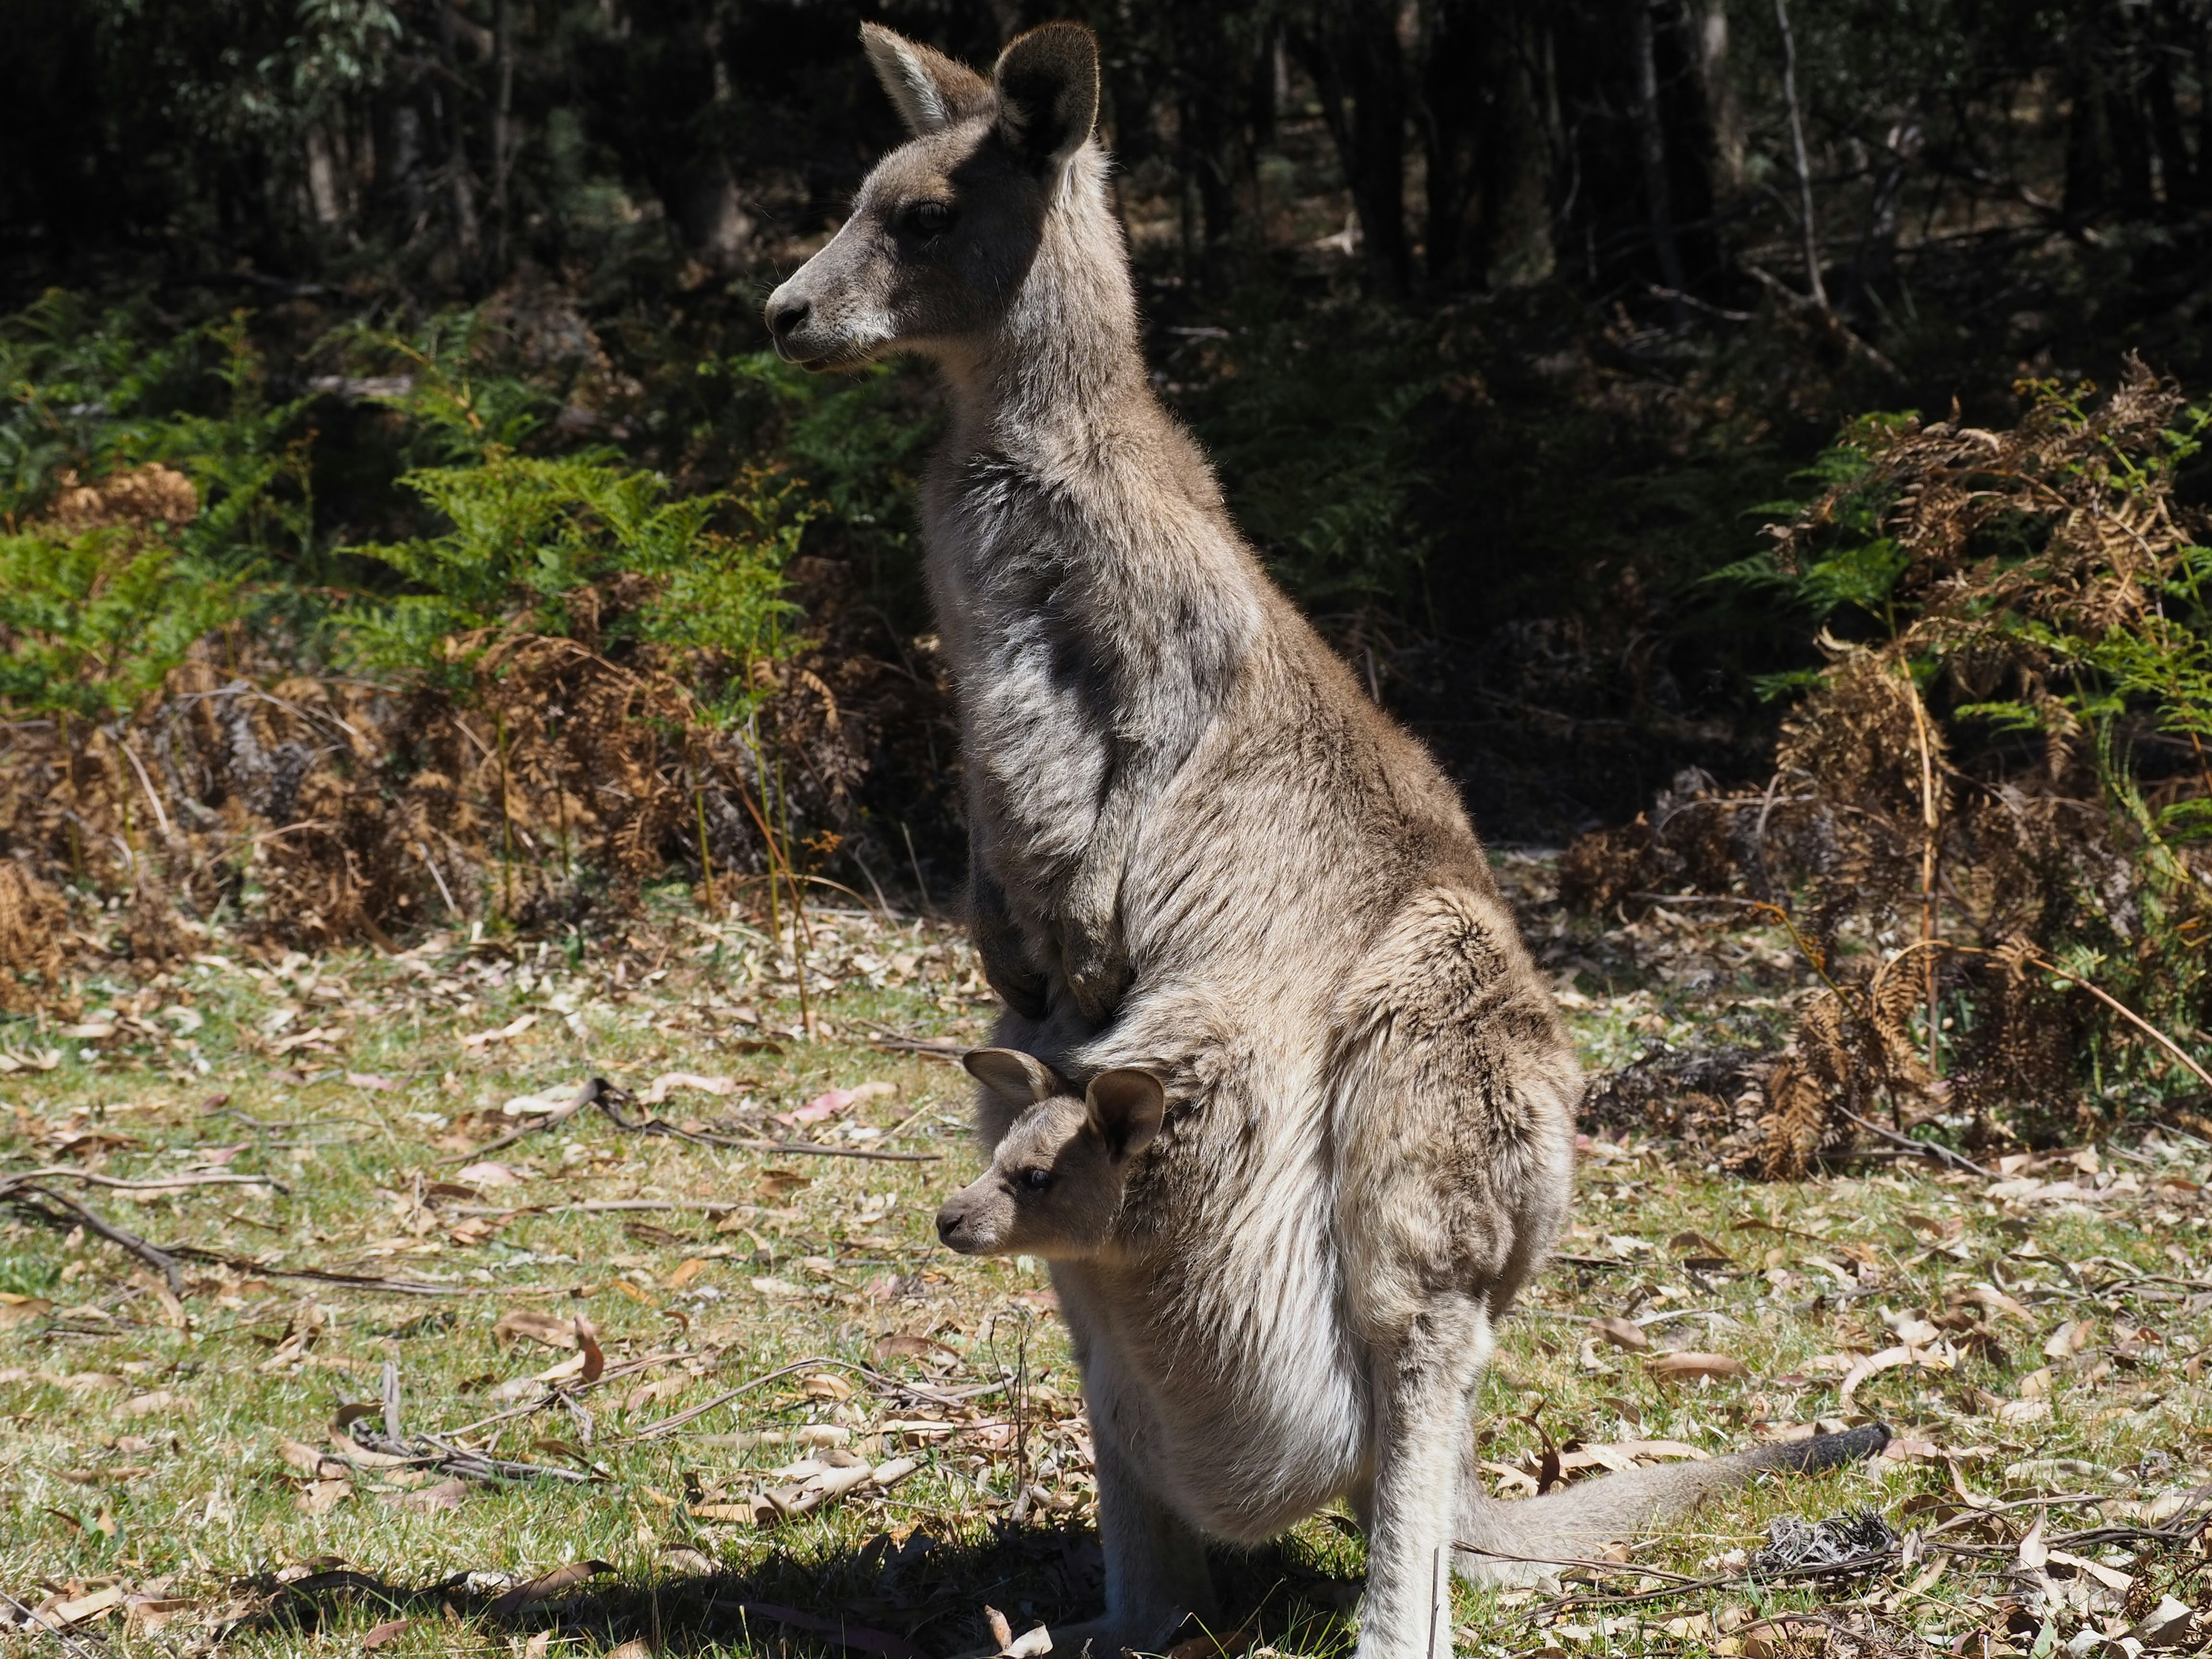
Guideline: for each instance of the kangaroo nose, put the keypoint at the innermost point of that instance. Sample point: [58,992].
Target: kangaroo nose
[948,1222]
[785,314]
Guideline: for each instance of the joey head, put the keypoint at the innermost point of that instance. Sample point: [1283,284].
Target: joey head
[1055,1180]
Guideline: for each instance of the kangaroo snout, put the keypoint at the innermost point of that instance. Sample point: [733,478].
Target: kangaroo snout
[786,314]
[952,1226]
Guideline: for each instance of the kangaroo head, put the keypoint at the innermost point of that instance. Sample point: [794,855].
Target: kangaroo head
[946,225]
[1055,1180]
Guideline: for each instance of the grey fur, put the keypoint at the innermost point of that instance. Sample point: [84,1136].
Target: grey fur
[1201,852]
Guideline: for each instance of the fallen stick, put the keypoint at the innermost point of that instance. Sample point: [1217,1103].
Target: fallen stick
[1944,1154]
[591,1090]
[160,1184]
[17,1191]
[325,1276]
[660,1125]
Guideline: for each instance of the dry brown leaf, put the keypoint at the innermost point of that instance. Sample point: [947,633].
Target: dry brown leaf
[1691,1367]
[545,1587]
[307,1460]
[821,1385]
[15,1309]
[146,1615]
[85,1608]
[635,1648]
[390,1630]
[490,1174]
[321,1496]
[686,1271]
[430,1500]
[538,1325]
[595,1360]
[1623,1333]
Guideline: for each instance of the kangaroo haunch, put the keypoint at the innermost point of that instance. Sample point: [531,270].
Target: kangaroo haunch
[1202,857]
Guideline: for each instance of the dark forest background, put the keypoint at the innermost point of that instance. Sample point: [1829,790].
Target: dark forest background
[1501,315]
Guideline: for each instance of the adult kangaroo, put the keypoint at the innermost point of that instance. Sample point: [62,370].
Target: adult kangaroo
[1199,850]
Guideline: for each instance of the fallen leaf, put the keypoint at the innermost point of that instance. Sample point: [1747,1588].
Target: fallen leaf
[2068,1339]
[1623,1333]
[2032,1555]
[538,1325]
[2023,1410]
[635,1648]
[16,1310]
[821,1385]
[490,1174]
[147,1614]
[1935,1359]
[86,1609]
[775,1183]
[1694,1367]
[321,1496]
[514,1028]
[657,1090]
[891,1472]
[307,1460]
[390,1630]
[545,1586]
[686,1271]
[430,1500]
[595,1359]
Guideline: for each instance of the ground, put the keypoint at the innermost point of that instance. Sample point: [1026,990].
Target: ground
[179,1469]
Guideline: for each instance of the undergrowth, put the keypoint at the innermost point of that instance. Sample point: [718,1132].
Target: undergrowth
[1987,827]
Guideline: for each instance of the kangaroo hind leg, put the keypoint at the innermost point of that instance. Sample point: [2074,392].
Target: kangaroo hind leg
[1424,1386]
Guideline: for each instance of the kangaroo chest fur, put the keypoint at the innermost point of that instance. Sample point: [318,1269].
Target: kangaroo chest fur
[1246,1412]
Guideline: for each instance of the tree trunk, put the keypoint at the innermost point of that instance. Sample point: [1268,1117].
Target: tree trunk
[1359,68]
[1651,151]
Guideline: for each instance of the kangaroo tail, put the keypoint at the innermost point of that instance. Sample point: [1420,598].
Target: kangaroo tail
[1517,1542]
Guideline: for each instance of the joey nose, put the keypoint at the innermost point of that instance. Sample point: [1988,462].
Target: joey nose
[786,314]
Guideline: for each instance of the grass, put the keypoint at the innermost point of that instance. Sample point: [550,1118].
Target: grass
[145,1439]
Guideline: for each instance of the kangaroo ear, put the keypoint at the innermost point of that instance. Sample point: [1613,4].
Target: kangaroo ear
[931,90]
[1125,1108]
[1047,82]
[1017,1076]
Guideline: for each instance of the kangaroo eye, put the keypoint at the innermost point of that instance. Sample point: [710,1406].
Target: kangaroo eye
[1037,1180]
[929,218]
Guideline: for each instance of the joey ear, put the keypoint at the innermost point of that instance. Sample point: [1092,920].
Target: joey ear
[931,90]
[1010,1072]
[1125,1108]
[1048,82]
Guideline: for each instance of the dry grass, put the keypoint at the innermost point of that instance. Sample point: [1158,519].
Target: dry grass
[145,1445]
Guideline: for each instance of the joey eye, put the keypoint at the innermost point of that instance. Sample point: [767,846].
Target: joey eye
[1037,1180]
[929,218]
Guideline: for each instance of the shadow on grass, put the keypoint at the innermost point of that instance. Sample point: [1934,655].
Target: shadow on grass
[923,1598]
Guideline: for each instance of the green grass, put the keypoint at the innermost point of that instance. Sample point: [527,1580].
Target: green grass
[143,1441]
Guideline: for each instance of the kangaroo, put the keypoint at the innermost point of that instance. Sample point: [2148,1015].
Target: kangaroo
[1199,850]
[1056,1189]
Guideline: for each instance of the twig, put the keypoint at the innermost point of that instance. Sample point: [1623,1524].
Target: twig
[192,1178]
[323,1276]
[1814,286]
[17,1191]
[56,1631]
[1942,1155]
[936,1047]
[592,1089]
[661,1125]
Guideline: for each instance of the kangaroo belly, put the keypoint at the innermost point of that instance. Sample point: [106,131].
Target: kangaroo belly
[1237,1395]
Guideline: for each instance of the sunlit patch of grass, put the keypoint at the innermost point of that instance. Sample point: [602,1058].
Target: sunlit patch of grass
[193,1489]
